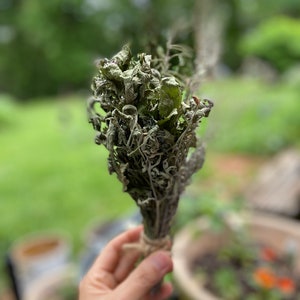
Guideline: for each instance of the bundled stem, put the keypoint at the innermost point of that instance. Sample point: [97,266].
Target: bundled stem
[148,127]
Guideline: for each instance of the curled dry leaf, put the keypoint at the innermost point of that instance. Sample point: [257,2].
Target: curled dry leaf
[141,117]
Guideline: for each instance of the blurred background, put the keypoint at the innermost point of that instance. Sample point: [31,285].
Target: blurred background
[52,175]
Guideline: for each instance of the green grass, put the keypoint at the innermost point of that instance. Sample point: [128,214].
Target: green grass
[252,117]
[52,175]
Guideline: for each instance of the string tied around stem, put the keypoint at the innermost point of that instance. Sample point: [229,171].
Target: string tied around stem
[146,246]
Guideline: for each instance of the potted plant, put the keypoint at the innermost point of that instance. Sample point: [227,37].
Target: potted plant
[250,258]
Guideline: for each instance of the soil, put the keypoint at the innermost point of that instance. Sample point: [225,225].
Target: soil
[207,267]
[42,248]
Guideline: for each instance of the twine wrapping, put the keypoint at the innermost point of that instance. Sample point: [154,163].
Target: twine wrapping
[146,246]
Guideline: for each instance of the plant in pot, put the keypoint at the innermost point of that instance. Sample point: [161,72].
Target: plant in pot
[249,256]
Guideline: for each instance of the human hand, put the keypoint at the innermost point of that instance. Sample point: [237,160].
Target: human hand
[113,275]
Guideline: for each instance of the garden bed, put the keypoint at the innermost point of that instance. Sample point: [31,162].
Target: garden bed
[254,257]
[259,274]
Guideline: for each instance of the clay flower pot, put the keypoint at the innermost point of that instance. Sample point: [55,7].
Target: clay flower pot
[197,239]
[33,256]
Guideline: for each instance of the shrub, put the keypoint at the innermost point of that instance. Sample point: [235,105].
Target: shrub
[277,40]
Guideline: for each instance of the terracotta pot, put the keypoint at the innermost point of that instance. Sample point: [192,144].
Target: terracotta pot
[33,256]
[197,239]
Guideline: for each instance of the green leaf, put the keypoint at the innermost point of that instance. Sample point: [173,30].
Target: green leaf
[170,96]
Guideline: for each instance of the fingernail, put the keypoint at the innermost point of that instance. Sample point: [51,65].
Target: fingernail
[160,261]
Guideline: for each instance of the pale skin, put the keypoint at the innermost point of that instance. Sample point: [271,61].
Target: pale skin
[114,274]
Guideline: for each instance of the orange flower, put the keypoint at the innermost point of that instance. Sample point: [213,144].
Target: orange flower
[265,278]
[286,285]
[268,254]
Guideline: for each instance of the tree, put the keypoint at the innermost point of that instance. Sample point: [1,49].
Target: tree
[54,43]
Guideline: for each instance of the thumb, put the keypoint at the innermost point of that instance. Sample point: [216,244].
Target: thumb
[147,274]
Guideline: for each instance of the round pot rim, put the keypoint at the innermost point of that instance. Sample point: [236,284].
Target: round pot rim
[182,274]
[20,248]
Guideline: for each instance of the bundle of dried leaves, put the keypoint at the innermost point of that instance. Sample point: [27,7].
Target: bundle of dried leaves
[145,119]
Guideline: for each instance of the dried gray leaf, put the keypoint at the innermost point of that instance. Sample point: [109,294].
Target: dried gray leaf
[148,128]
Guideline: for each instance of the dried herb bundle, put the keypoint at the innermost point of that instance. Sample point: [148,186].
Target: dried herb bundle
[148,127]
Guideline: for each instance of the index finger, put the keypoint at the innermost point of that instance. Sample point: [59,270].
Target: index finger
[110,255]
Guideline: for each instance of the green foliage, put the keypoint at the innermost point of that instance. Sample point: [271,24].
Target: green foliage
[50,51]
[256,11]
[277,40]
[250,117]
[226,284]
[243,16]
[7,110]
[239,250]
[47,178]
[51,45]
[48,47]
[270,295]
[171,94]
[206,205]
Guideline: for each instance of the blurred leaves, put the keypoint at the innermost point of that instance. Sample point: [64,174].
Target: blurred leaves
[47,47]
[276,40]
[252,117]
[7,109]
[52,44]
